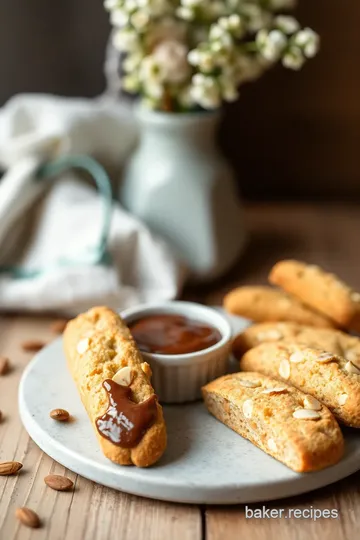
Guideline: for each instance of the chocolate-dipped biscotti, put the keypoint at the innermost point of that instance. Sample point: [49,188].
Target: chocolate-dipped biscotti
[280,419]
[115,388]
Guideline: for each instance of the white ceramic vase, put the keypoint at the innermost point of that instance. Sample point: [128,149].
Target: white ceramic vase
[177,182]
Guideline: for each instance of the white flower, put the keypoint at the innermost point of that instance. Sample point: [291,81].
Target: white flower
[171,57]
[308,40]
[119,17]
[204,59]
[220,37]
[111,4]
[130,83]
[140,19]
[287,24]
[234,21]
[130,5]
[293,59]
[132,62]
[125,40]
[206,91]
[271,44]
[185,13]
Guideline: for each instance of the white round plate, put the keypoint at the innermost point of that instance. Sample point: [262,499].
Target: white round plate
[205,462]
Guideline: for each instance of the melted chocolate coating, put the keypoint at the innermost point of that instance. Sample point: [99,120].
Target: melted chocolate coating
[125,422]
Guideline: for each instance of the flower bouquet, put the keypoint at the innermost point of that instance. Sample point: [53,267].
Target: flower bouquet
[188,55]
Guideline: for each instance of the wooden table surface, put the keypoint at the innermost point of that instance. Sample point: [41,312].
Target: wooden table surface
[318,233]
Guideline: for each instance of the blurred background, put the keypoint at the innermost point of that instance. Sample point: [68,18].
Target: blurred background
[290,136]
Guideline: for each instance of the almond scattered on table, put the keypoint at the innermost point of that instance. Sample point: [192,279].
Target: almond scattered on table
[60,414]
[58,482]
[58,326]
[9,467]
[32,345]
[28,517]
[4,365]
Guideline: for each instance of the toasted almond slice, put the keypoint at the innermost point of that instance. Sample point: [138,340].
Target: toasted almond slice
[306,414]
[9,467]
[124,376]
[146,369]
[351,368]
[28,517]
[284,369]
[312,403]
[325,358]
[58,482]
[32,345]
[275,390]
[83,345]
[272,445]
[297,357]
[247,408]
[249,384]
[60,414]
[342,399]
[4,365]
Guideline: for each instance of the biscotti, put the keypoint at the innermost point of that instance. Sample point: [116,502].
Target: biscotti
[329,339]
[329,378]
[281,420]
[320,290]
[114,385]
[261,304]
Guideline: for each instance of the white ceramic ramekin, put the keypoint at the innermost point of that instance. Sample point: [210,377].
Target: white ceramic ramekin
[178,378]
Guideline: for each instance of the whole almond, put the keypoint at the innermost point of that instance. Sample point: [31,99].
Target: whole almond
[4,365]
[9,467]
[28,517]
[58,482]
[58,326]
[32,345]
[60,414]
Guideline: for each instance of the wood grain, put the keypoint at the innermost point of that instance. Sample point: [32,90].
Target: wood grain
[323,234]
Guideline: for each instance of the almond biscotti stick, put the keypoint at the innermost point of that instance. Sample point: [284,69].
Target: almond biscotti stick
[329,339]
[287,424]
[114,385]
[262,304]
[320,290]
[328,377]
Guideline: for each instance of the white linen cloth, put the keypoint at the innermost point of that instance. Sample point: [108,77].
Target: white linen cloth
[43,222]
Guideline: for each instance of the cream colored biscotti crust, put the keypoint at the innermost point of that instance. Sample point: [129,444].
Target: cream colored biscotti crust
[278,418]
[329,339]
[97,344]
[331,379]
[262,304]
[320,290]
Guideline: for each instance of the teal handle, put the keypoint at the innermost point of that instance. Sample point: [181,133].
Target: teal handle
[48,172]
